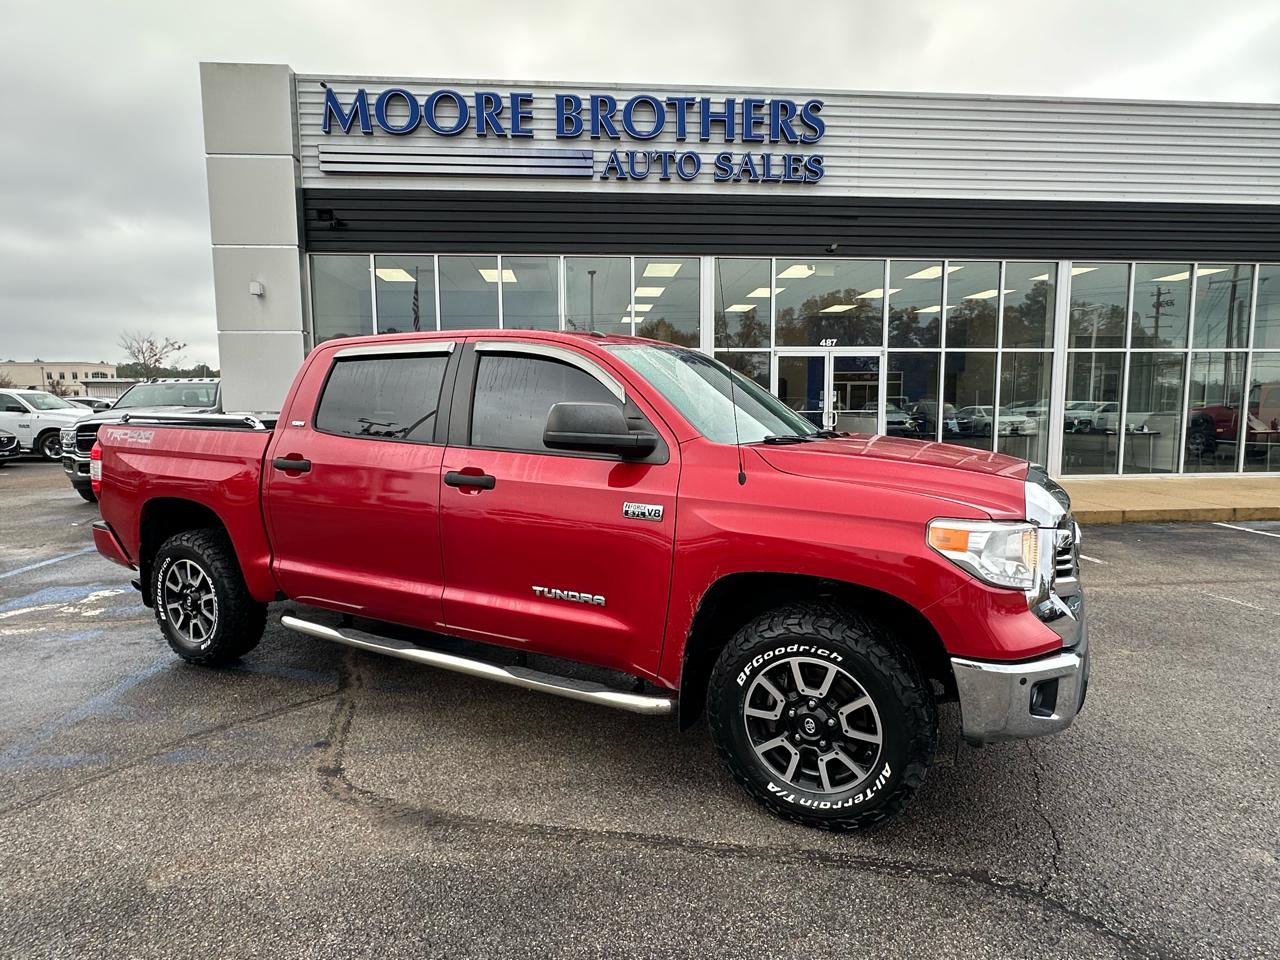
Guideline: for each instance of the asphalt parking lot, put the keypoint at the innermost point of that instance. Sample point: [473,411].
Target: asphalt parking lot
[315,801]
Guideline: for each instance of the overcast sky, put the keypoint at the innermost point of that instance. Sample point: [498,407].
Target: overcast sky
[104,222]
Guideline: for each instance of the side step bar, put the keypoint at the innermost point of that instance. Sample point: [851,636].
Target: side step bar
[583,690]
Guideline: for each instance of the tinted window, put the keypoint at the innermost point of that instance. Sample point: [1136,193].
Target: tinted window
[8,401]
[388,397]
[515,394]
[170,395]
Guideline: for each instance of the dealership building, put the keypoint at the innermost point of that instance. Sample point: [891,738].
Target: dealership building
[1091,284]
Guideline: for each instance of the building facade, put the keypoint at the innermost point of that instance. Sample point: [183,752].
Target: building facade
[71,377]
[1093,285]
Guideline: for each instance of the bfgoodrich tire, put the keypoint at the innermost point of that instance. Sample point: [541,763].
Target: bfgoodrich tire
[822,716]
[201,601]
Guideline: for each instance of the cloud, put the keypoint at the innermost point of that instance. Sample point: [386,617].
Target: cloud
[102,182]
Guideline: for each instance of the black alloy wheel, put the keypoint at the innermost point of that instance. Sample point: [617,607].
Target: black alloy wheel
[49,446]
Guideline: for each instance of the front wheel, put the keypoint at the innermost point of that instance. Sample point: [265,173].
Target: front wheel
[49,446]
[202,604]
[87,494]
[822,716]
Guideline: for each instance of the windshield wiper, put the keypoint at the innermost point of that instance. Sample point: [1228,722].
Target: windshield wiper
[830,434]
[781,438]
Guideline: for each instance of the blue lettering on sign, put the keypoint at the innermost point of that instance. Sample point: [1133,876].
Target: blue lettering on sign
[644,116]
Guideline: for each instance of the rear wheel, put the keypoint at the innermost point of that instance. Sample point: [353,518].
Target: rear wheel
[202,604]
[822,716]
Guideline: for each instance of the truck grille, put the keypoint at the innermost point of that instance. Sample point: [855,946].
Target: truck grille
[1064,558]
[86,436]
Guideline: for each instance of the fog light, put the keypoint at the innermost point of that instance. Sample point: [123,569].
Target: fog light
[1044,698]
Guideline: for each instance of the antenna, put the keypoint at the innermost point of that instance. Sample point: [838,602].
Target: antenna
[737,441]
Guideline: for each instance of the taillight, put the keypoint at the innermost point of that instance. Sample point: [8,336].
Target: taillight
[95,468]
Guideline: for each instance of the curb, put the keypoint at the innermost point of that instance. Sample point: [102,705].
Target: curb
[1177,515]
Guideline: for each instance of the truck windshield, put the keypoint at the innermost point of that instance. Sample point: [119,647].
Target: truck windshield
[699,388]
[47,401]
[169,395]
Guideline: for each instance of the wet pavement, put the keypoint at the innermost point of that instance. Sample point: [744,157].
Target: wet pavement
[316,801]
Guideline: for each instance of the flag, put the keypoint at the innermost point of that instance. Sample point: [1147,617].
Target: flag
[417,321]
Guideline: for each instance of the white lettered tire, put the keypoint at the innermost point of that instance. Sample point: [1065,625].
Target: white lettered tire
[822,716]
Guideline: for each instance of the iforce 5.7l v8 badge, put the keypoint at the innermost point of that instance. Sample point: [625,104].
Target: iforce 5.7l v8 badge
[642,511]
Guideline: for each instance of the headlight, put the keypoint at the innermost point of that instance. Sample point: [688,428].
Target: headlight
[69,439]
[1001,554]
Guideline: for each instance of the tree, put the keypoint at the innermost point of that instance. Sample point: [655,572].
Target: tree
[5,380]
[58,388]
[146,353]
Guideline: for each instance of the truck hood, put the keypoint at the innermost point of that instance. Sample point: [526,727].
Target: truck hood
[990,482]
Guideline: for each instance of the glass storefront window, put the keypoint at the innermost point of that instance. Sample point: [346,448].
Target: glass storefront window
[1266,332]
[742,303]
[406,288]
[915,303]
[1099,293]
[1023,420]
[1028,304]
[341,300]
[1153,420]
[1217,389]
[973,292]
[1161,302]
[801,384]
[832,303]
[1091,417]
[911,388]
[468,293]
[597,293]
[969,394]
[1223,291]
[754,366]
[666,300]
[531,293]
[1262,442]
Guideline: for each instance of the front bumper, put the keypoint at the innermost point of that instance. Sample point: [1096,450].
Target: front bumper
[77,470]
[1030,698]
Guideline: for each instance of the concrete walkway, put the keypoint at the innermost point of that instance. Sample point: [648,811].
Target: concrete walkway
[1166,499]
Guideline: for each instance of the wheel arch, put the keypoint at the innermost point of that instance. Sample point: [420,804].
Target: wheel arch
[162,518]
[40,437]
[736,599]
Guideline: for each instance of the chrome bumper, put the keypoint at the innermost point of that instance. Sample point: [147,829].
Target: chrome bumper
[1011,701]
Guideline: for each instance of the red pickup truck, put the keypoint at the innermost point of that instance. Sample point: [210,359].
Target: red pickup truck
[630,505]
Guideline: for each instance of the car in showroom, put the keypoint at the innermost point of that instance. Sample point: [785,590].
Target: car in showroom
[1007,424]
[174,397]
[37,418]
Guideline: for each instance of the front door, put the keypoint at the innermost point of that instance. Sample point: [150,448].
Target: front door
[834,389]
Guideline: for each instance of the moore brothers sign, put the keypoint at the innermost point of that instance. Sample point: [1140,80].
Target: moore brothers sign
[783,128]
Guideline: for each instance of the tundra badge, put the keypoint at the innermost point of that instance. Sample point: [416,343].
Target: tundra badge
[642,511]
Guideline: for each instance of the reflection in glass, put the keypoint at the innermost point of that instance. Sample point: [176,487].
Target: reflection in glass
[1023,418]
[1099,292]
[855,387]
[1266,332]
[1153,422]
[468,293]
[1223,291]
[1262,443]
[1092,415]
[801,382]
[597,293]
[973,290]
[1028,304]
[915,302]
[830,300]
[531,293]
[755,366]
[742,303]
[341,301]
[406,293]
[666,300]
[1217,387]
[1161,302]
[911,386]
[969,388]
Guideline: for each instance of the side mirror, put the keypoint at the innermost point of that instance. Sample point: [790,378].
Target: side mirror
[596,427]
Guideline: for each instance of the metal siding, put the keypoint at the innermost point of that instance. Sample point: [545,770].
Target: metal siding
[545,222]
[884,145]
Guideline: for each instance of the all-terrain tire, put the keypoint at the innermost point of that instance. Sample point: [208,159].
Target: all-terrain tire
[866,662]
[87,493]
[200,630]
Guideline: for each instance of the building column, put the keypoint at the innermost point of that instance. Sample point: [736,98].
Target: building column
[252,158]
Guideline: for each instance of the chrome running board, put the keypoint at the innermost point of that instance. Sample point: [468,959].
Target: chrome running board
[584,690]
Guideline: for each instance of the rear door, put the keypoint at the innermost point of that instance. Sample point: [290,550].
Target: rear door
[568,553]
[355,527]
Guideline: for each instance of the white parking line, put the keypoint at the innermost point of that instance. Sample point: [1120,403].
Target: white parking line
[36,566]
[1251,606]
[1261,533]
[1093,559]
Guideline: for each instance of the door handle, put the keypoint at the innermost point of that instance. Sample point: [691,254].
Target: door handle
[482,480]
[284,463]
